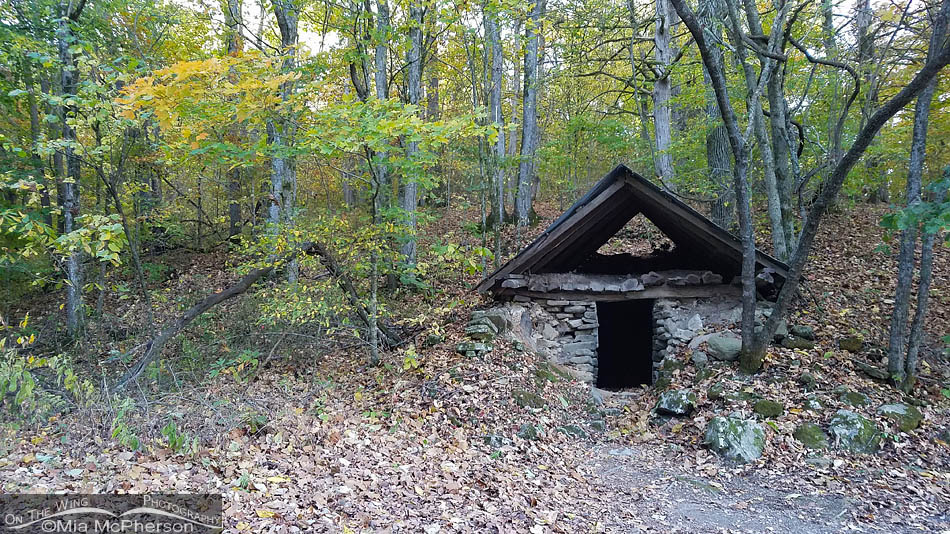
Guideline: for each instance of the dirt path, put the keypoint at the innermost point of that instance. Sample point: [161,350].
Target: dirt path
[650,494]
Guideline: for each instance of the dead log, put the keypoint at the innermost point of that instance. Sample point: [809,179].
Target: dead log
[153,348]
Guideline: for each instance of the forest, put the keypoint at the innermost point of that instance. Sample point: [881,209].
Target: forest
[242,243]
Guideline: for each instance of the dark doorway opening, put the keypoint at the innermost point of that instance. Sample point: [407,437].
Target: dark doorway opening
[625,344]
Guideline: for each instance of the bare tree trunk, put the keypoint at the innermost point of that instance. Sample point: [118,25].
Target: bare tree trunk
[663,92]
[896,364]
[758,119]
[71,192]
[711,14]
[235,44]
[283,130]
[493,44]
[829,190]
[530,136]
[740,155]
[920,314]
[517,61]
[410,189]
[381,58]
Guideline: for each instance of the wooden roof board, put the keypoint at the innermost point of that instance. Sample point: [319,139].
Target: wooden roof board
[604,210]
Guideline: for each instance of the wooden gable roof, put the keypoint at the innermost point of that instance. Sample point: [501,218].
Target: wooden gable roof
[605,209]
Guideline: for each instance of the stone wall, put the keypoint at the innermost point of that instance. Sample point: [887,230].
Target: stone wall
[566,331]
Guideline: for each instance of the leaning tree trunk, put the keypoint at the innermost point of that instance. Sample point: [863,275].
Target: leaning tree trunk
[829,190]
[663,91]
[530,136]
[896,361]
[496,61]
[71,192]
[410,189]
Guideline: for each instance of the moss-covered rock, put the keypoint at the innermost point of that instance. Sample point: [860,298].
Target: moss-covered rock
[527,399]
[736,439]
[854,398]
[768,408]
[851,343]
[573,430]
[906,416]
[808,382]
[854,432]
[715,391]
[802,331]
[678,402]
[528,431]
[795,342]
[811,436]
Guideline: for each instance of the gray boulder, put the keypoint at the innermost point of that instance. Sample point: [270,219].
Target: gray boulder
[723,347]
[854,432]
[737,439]
[906,416]
[678,402]
[804,332]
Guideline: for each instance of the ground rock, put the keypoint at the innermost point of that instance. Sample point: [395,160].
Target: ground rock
[854,432]
[723,347]
[528,431]
[768,408]
[795,342]
[678,402]
[804,332]
[737,439]
[851,343]
[906,416]
[811,436]
[527,399]
[853,398]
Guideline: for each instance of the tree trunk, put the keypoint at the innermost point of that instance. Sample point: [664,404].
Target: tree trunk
[381,58]
[896,364]
[663,92]
[282,130]
[754,100]
[517,60]
[410,189]
[35,133]
[493,44]
[529,134]
[711,14]
[71,191]
[829,190]
[235,45]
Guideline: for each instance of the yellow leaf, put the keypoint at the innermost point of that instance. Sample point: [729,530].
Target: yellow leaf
[358,395]
[265,514]
[278,479]
[201,136]
[243,526]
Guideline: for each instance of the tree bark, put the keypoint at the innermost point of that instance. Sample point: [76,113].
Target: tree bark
[896,361]
[829,190]
[663,92]
[754,101]
[381,78]
[282,131]
[496,60]
[740,154]
[711,14]
[410,187]
[71,191]
[235,46]
[530,136]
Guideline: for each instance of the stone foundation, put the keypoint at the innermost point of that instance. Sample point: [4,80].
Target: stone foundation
[566,331]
